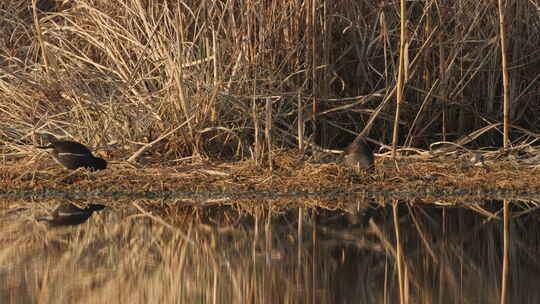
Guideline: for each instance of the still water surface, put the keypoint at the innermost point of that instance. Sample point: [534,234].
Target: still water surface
[147,251]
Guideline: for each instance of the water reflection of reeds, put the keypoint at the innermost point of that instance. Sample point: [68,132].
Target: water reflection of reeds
[299,255]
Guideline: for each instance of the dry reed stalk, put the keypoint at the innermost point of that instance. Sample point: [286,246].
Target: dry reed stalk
[178,76]
[401,74]
[39,33]
[268,132]
[300,126]
[429,97]
[215,67]
[312,38]
[326,31]
[257,144]
[504,66]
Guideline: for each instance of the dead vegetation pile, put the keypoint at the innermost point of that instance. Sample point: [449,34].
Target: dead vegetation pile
[450,176]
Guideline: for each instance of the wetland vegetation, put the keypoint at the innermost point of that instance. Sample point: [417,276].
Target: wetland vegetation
[223,125]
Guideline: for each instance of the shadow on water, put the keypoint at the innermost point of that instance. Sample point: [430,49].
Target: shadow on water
[220,254]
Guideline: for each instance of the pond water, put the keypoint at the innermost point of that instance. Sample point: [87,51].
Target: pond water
[149,251]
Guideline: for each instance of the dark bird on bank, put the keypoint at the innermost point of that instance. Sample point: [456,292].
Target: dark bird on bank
[73,155]
[359,155]
[45,5]
[69,215]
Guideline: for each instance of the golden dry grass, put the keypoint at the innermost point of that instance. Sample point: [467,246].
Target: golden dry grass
[130,72]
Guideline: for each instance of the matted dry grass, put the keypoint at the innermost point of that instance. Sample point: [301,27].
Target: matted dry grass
[446,177]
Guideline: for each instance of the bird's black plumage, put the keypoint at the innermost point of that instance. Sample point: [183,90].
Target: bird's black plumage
[69,214]
[73,155]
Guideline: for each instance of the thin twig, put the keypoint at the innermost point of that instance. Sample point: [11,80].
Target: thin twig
[148,145]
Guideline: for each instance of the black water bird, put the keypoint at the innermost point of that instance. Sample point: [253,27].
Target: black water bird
[73,155]
[69,214]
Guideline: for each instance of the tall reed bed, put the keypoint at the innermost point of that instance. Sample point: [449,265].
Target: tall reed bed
[133,71]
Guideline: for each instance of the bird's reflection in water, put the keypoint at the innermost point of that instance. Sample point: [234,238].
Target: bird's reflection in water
[69,214]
